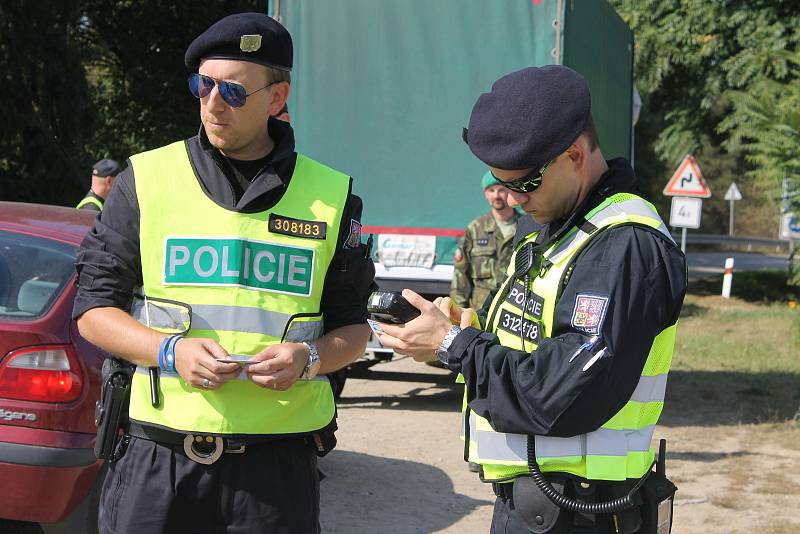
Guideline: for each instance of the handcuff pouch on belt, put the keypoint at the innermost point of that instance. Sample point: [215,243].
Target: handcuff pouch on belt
[538,512]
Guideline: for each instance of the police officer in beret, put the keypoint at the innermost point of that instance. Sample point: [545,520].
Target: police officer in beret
[260,247]
[104,172]
[565,369]
[483,253]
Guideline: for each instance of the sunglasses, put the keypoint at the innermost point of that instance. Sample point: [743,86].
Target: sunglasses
[233,94]
[526,184]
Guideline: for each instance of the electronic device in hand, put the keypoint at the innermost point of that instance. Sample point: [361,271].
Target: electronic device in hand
[390,307]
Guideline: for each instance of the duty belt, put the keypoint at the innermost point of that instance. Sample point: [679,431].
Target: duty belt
[208,448]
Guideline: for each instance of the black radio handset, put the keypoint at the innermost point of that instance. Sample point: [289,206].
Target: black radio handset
[523,263]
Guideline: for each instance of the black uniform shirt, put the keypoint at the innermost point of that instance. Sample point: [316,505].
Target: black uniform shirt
[91,205]
[109,264]
[643,275]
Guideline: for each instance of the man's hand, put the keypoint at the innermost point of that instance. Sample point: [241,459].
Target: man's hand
[196,362]
[420,337]
[280,366]
[462,317]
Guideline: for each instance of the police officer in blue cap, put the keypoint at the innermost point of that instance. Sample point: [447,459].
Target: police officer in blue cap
[260,247]
[565,369]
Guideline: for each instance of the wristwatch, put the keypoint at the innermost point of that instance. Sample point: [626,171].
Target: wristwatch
[442,352]
[313,363]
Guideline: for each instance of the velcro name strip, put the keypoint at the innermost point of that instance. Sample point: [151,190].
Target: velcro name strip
[534,305]
[511,322]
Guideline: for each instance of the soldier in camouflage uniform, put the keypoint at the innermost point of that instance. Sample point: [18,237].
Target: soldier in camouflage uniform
[483,254]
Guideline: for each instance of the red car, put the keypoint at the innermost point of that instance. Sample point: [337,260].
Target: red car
[49,375]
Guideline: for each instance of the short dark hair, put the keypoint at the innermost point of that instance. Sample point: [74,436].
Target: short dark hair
[590,131]
[278,75]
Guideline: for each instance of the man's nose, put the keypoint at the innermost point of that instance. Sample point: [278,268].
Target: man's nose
[516,199]
[214,99]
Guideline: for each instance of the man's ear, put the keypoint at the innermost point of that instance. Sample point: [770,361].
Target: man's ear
[577,152]
[280,94]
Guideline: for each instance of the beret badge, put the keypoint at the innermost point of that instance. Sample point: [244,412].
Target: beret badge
[250,43]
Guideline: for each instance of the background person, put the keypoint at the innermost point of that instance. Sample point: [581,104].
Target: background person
[104,172]
[264,244]
[572,359]
[483,254]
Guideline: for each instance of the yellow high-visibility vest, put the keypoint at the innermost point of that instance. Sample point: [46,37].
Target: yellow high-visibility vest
[620,448]
[251,279]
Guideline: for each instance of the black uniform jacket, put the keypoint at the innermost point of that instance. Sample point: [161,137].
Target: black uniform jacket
[109,265]
[91,205]
[642,274]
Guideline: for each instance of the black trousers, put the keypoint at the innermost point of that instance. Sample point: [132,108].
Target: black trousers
[155,489]
[506,521]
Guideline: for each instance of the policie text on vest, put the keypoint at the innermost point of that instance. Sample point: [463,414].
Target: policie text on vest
[233,261]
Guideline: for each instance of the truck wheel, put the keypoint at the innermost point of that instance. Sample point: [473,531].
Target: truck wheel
[338,378]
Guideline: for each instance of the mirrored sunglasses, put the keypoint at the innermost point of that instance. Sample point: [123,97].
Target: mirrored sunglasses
[526,184]
[233,94]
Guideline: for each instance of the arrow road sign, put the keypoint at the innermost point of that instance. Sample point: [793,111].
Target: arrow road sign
[687,181]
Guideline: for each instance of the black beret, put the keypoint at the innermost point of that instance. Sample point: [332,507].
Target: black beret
[106,167]
[529,117]
[255,37]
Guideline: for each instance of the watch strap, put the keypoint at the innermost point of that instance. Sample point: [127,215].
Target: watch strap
[442,352]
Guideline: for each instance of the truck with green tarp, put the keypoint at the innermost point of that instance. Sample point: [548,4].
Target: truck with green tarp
[381,90]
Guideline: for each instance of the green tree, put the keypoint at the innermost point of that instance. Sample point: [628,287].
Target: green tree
[47,112]
[84,80]
[703,67]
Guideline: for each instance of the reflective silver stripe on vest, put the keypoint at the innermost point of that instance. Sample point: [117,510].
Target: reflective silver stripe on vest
[650,389]
[500,447]
[305,331]
[630,207]
[235,319]
[157,315]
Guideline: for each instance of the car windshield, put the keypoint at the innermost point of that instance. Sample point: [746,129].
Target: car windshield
[33,273]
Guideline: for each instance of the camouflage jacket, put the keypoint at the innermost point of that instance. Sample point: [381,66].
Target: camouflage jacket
[480,263]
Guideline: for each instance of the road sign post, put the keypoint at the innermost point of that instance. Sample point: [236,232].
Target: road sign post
[732,195]
[688,189]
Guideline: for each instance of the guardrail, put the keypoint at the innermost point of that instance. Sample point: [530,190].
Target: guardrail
[741,243]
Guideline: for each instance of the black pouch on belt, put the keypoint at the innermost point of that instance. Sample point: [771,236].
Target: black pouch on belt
[658,494]
[538,512]
[111,411]
[325,439]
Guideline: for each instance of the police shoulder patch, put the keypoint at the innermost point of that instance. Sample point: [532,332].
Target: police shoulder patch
[354,238]
[279,224]
[458,256]
[589,312]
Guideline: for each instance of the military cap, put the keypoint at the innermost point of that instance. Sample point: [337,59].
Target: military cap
[529,117]
[106,167]
[254,37]
[487,180]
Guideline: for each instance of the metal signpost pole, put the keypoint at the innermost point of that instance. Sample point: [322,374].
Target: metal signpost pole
[732,195]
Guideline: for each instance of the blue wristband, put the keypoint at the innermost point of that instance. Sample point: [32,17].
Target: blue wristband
[161,353]
[169,355]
